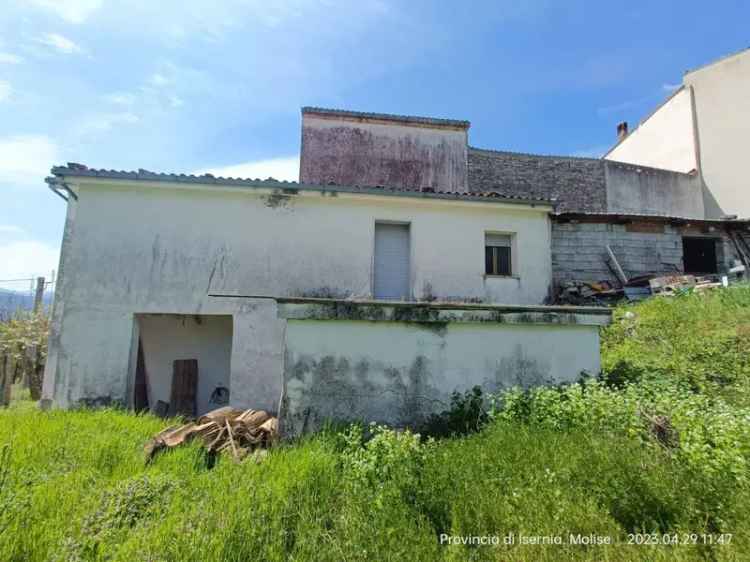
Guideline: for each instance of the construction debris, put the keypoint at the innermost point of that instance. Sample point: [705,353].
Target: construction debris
[671,284]
[224,429]
[615,265]
[602,293]
[674,284]
[587,293]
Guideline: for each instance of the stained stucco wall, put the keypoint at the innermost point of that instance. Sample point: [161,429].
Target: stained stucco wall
[372,153]
[722,107]
[649,191]
[337,369]
[664,139]
[138,248]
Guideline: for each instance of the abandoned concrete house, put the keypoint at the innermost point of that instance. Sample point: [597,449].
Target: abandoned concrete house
[403,265]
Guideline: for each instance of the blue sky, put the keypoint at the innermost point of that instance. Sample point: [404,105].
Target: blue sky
[195,85]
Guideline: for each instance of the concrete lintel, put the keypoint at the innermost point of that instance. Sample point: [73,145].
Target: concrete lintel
[379,311]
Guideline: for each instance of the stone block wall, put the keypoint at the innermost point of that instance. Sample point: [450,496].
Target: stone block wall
[579,251]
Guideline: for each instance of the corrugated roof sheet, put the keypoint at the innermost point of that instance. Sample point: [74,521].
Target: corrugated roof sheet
[386,117]
[78,170]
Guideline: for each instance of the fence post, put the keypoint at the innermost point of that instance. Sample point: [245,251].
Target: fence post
[5,380]
[39,295]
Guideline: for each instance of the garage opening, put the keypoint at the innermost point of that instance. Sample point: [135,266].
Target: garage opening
[699,255]
[183,363]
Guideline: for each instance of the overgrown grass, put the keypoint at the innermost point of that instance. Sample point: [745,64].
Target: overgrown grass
[584,459]
[699,339]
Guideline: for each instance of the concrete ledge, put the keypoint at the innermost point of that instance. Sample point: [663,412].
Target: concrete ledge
[442,313]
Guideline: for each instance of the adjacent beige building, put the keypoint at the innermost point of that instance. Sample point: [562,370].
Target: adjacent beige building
[701,128]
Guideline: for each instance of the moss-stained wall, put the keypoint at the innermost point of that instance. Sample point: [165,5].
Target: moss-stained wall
[400,372]
[391,153]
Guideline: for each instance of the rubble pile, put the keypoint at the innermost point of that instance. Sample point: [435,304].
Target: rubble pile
[603,293]
[588,293]
[237,432]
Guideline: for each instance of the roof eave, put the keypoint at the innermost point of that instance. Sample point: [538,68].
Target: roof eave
[86,174]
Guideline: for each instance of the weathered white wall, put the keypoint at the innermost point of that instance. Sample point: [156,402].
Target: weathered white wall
[722,106]
[664,139]
[650,191]
[339,369]
[139,247]
[375,152]
[166,337]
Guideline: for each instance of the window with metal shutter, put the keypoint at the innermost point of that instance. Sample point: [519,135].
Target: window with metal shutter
[497,254]
[392,250]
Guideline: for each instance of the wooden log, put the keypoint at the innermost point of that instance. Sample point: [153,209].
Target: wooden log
[620,273]
[184,387]
[36,376]
[6,379]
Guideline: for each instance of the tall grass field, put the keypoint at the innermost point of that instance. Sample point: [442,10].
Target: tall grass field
[648,462]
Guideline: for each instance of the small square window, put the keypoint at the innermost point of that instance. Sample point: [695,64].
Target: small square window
[497,254]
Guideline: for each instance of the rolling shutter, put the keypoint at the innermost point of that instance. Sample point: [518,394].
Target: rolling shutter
[391,261]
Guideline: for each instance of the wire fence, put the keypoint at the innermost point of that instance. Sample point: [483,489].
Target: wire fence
[20,294]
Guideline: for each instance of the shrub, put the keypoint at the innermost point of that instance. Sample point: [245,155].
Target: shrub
[389,462]
[466,414]
[23,339]
[119,510]
[709,438]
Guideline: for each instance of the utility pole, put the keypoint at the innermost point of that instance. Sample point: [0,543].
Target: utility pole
[39,295]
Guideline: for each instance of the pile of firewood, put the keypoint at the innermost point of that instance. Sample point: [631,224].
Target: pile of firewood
[226,429]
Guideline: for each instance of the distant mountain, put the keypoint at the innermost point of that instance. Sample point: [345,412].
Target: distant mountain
[12,301]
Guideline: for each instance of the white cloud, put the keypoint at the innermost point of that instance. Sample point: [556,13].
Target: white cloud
[59,43]
[103,122]
[25,259]
[159,80]
[10,229]
[670,87]
[72,11]
[120,98]
[10,58]
[26,159]
[5,90]
[284,168]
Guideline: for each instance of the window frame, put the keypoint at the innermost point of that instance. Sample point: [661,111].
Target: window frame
[511,261]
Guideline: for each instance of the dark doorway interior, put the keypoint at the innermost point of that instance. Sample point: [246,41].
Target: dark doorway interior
[699,255]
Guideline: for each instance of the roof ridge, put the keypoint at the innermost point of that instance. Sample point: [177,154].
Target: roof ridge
[720,59]
[648,116]
[617,163]
[514,153]
[386,116]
